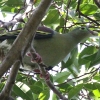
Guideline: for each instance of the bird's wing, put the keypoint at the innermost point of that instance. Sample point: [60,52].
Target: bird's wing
[41,33]
[5,37]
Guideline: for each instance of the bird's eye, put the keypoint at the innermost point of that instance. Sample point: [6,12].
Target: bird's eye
[83,28]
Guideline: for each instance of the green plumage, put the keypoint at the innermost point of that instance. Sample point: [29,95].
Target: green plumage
[54,50]
[56,47]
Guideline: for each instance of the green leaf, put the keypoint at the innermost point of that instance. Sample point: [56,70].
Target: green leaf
[45,94]
[64,87]
[91,87]
[88,9]
[61,77]
[90,57]
[96,59]
[14,3]
[6,8]
[30,94]
[20,77]
[17,90]
[74,91]
[97,78]
[97,15]
[96,85]
[39,83]
[67,64]
[96,93]
[62,21]
[74,54]
[52,17]
[86,52]
[36,89]
[1,85]
[69,60]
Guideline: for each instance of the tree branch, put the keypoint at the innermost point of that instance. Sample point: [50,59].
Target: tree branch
[52,87]
[44,73]
[10,82]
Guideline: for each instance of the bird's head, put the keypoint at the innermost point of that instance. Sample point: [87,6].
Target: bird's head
[81,33]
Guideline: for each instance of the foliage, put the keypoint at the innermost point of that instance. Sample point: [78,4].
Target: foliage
[78,76]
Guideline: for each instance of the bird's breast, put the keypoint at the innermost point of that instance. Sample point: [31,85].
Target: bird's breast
[52,50]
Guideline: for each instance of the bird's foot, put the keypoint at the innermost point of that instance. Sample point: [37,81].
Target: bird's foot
[46,76]
[28,54]
[35,57]
[36,71]
[38,58]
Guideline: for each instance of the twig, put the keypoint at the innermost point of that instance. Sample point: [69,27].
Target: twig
[81,14]
[85,74]
[68,80]
[89,18]
[44,73]
[20,10]
[16,18]
[52,87]
[97,2]
[66,18]
[10,82]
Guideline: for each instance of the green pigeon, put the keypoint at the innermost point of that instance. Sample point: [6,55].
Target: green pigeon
[50,45]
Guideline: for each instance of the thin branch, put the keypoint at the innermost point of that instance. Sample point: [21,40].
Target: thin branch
[68,80]
[52,87]
[10,82]
[97,2]
[66,18]
[81,14]
[88,18]
[44,73]
[16,18]
[85,74]
[24,6]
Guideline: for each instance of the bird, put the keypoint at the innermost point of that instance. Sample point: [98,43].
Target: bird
[50,45]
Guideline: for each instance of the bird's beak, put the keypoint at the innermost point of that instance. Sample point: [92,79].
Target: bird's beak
[94,33]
